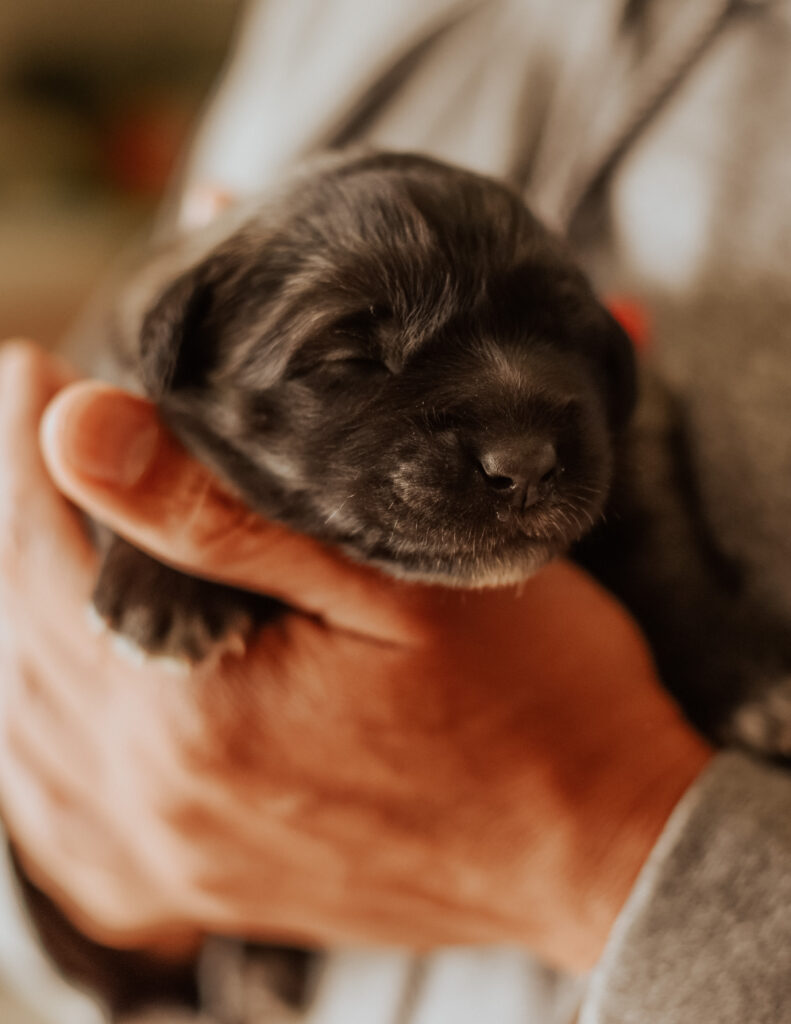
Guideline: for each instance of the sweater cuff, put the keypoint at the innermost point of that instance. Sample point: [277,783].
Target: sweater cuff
[705,935]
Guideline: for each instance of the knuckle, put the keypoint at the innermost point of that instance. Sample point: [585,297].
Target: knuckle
[187,866]
[204,874]
[185,815]
[105,913]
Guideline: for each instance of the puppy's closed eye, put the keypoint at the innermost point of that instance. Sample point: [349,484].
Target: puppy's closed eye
[363,323]
[336,358]
[353,342]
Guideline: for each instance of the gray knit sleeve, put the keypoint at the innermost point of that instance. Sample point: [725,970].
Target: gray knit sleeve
[705,937]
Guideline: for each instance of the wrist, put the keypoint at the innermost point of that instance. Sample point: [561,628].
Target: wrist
[642,796]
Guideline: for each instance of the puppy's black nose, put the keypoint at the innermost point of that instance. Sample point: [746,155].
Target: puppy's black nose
[521,472]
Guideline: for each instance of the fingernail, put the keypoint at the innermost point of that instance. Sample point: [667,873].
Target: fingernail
[111,438]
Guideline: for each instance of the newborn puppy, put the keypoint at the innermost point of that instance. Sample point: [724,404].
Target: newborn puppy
[393,356]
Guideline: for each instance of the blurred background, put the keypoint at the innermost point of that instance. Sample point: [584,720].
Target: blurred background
[97,102]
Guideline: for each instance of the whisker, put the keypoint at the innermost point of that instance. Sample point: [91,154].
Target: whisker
[338,509]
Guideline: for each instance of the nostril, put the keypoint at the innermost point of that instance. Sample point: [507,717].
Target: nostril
[499,483]
[499,468]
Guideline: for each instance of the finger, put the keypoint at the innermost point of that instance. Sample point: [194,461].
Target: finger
[30,762]
[29,378]
[33,803]
[35,521]
[53,825]
[108,452]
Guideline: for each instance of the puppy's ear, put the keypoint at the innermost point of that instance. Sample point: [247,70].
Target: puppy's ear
[615,355]
[177,338]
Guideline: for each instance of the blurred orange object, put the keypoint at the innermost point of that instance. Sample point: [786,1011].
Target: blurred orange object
[141,148]
[633,317]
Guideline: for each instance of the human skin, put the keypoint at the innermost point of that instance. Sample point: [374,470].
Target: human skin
[387,763]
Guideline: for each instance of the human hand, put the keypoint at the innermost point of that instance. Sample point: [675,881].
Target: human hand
[388,763]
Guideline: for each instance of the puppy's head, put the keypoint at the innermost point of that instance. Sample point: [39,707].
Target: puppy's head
[398,359]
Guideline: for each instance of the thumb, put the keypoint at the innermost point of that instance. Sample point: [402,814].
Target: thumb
[108,452]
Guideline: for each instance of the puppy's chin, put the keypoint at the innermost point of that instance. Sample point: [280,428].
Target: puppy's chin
[462,570]
[499,549]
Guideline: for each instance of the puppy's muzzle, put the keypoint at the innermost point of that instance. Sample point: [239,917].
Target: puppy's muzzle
[520,472]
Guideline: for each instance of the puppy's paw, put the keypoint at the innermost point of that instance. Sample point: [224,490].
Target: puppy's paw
[175,633]
[156,611]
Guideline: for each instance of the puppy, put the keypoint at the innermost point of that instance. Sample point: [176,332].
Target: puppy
[391,355]
[394,357]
